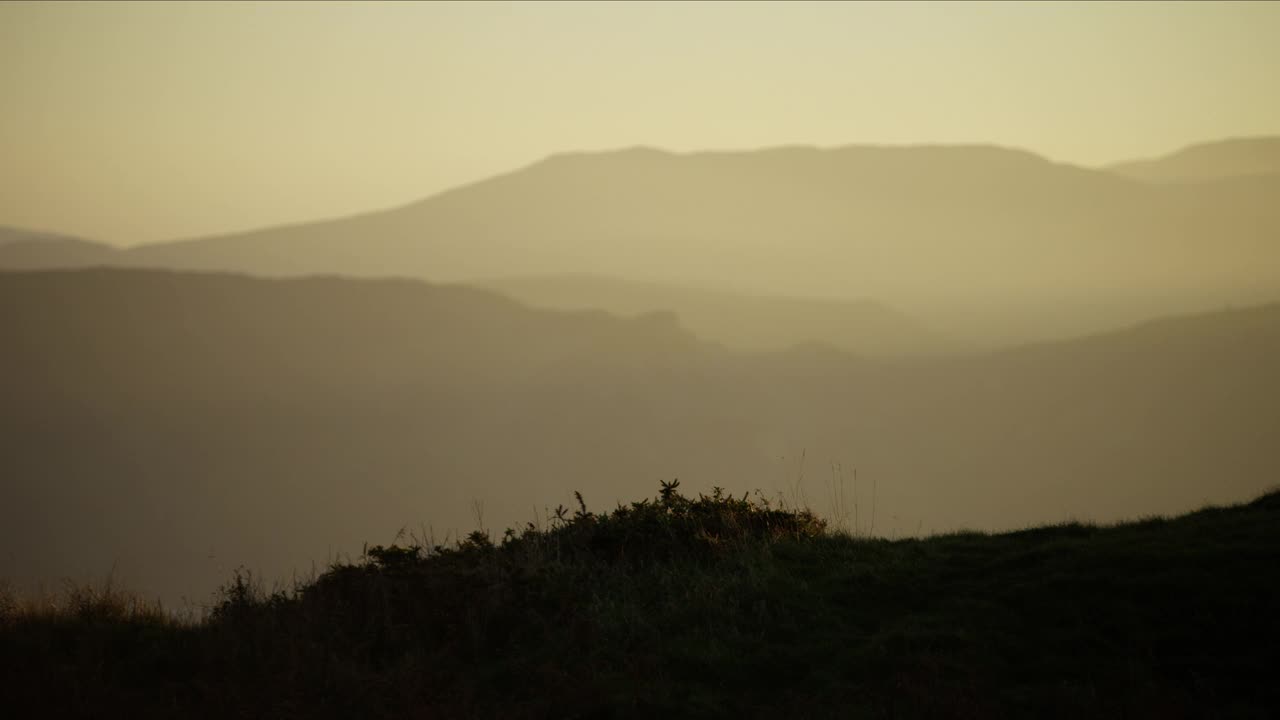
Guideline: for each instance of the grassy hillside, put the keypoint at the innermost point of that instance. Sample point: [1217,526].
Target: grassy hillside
[709,607]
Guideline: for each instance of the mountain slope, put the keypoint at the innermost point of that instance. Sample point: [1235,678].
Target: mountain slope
[22,249]
[740,321]
[177,425]
[12,234]
[794,221]
[167,418]
[953,231]
[1240,157]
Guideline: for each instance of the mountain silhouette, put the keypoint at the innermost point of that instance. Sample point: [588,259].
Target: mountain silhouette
[185,423]
[739,320]
[1236,158]
[22,249]
[945,233]
[12,235]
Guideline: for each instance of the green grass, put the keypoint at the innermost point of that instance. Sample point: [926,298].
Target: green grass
[707,607]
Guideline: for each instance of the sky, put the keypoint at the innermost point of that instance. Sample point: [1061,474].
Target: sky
[141,122]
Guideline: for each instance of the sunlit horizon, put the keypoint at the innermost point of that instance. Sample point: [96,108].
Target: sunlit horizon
[143,122]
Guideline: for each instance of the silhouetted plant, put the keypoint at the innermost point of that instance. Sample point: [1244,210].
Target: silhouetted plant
[672,605]
[393,556]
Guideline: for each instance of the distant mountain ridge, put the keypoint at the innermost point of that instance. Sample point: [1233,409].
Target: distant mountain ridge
[738,320]
[947,234]
[1206,162]
[718,214]
[230,417]
[13,235]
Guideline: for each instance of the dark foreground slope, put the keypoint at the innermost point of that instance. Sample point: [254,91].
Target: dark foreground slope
[713,607]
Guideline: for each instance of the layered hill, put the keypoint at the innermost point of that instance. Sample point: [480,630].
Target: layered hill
[739,320]
[22,249]
[12,234]
[177,425]
[947,231]
[1207,162]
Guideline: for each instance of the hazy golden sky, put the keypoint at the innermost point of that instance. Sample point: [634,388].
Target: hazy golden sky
[151,121]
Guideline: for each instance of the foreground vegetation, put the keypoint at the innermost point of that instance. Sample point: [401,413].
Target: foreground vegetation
[706,607]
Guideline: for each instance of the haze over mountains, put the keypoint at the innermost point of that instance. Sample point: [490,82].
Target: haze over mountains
[639,359]
[1240,157]
[176,425]
[741,321]
[984,244]
[597,321]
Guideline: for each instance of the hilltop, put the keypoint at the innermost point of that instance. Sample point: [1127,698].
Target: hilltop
[708,607]
[22,249]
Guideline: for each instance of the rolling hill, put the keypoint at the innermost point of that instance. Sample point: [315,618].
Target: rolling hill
[738,320]
[1206,162]
[22,249]
[176,425]
[981,242]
